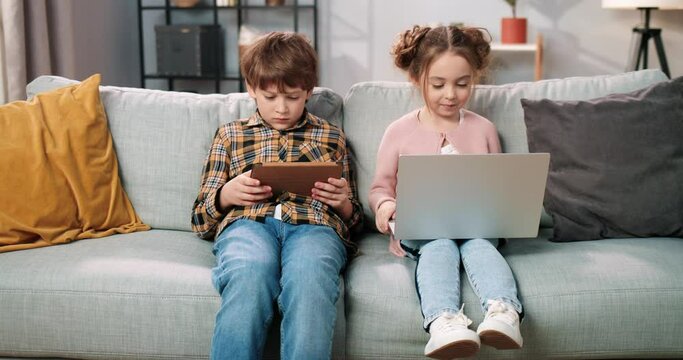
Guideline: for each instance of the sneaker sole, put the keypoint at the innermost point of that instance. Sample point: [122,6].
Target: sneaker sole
[457,349]
[498,340]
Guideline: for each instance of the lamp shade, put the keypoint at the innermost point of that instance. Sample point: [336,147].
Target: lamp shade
[635,4]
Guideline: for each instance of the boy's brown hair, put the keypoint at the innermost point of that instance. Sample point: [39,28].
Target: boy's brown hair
[280,58]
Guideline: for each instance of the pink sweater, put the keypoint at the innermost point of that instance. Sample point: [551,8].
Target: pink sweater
[474,135]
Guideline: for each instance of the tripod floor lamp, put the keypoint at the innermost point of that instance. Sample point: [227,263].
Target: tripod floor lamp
[642,35]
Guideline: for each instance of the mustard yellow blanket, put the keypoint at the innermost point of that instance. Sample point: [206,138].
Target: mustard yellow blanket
[59,179]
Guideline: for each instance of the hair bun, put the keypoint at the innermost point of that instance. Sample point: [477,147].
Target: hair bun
[478,39]
[406,45]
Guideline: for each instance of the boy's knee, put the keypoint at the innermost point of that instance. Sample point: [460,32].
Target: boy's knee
[247,274]
[312,278]
[315,269]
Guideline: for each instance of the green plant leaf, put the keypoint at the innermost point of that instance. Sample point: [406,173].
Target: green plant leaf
[512,4]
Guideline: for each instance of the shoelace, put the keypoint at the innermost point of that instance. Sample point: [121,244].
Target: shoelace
[501,311]
[454,321]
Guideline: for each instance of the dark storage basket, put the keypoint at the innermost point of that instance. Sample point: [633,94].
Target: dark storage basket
[189,50]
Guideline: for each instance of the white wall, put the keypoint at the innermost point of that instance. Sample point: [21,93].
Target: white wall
[581,38]
[355,36]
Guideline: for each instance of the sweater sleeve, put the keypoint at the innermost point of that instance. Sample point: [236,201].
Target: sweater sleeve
[383,186]
[494,141]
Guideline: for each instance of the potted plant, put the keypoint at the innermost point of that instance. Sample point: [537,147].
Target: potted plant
[513,30]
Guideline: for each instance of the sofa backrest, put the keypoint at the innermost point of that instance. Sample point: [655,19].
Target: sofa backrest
[370,106]
[162,138]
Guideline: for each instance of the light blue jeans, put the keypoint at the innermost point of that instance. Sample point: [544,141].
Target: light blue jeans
[259,264]
[437,274]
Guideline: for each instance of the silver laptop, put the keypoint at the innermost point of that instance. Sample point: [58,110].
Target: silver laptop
[469,196]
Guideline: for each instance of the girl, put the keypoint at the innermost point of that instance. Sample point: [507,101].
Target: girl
[444,63]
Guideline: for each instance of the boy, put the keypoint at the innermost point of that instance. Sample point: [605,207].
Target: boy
[290,249]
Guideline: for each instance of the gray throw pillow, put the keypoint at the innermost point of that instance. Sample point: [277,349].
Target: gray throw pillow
[616,162]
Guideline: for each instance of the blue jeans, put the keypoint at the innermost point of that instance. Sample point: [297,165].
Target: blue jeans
[259,264]
[437,275]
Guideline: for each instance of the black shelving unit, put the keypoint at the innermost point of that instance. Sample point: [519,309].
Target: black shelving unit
[242,9]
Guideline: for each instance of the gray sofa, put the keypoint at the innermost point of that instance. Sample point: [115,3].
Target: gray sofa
[148,295]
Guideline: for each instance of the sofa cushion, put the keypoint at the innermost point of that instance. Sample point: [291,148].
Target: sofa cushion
[615,298]
[60,178]
[370,106]
[616,162]
[162,139]
[150,292]
[140,296]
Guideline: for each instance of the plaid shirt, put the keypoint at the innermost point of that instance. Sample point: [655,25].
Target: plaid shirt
[238,145]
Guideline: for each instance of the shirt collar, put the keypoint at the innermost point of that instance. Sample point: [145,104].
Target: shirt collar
[257,120]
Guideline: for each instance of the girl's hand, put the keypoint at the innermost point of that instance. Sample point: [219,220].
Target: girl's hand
[243,191]
[386,212]
[395,246]
[334,193]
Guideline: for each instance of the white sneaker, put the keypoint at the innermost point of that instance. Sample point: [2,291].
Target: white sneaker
[500,327]
[450,337]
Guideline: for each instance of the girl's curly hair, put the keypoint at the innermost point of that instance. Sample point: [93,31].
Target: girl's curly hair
[415,49]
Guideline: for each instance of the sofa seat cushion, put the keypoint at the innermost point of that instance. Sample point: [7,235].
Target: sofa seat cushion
[138,296]
[593,299]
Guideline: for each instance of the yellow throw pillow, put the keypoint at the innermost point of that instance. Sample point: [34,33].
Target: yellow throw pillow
[59,176]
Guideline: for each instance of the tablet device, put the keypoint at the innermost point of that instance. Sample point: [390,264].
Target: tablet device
[295,177]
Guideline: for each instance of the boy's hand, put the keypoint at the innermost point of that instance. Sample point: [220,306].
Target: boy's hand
[243,191]
[385,213]
[335,193]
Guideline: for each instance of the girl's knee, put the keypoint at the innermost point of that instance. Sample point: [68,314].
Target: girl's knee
[440,245]
[480,243]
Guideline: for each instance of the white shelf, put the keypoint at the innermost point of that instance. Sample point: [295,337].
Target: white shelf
[513,47]
[536,48]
